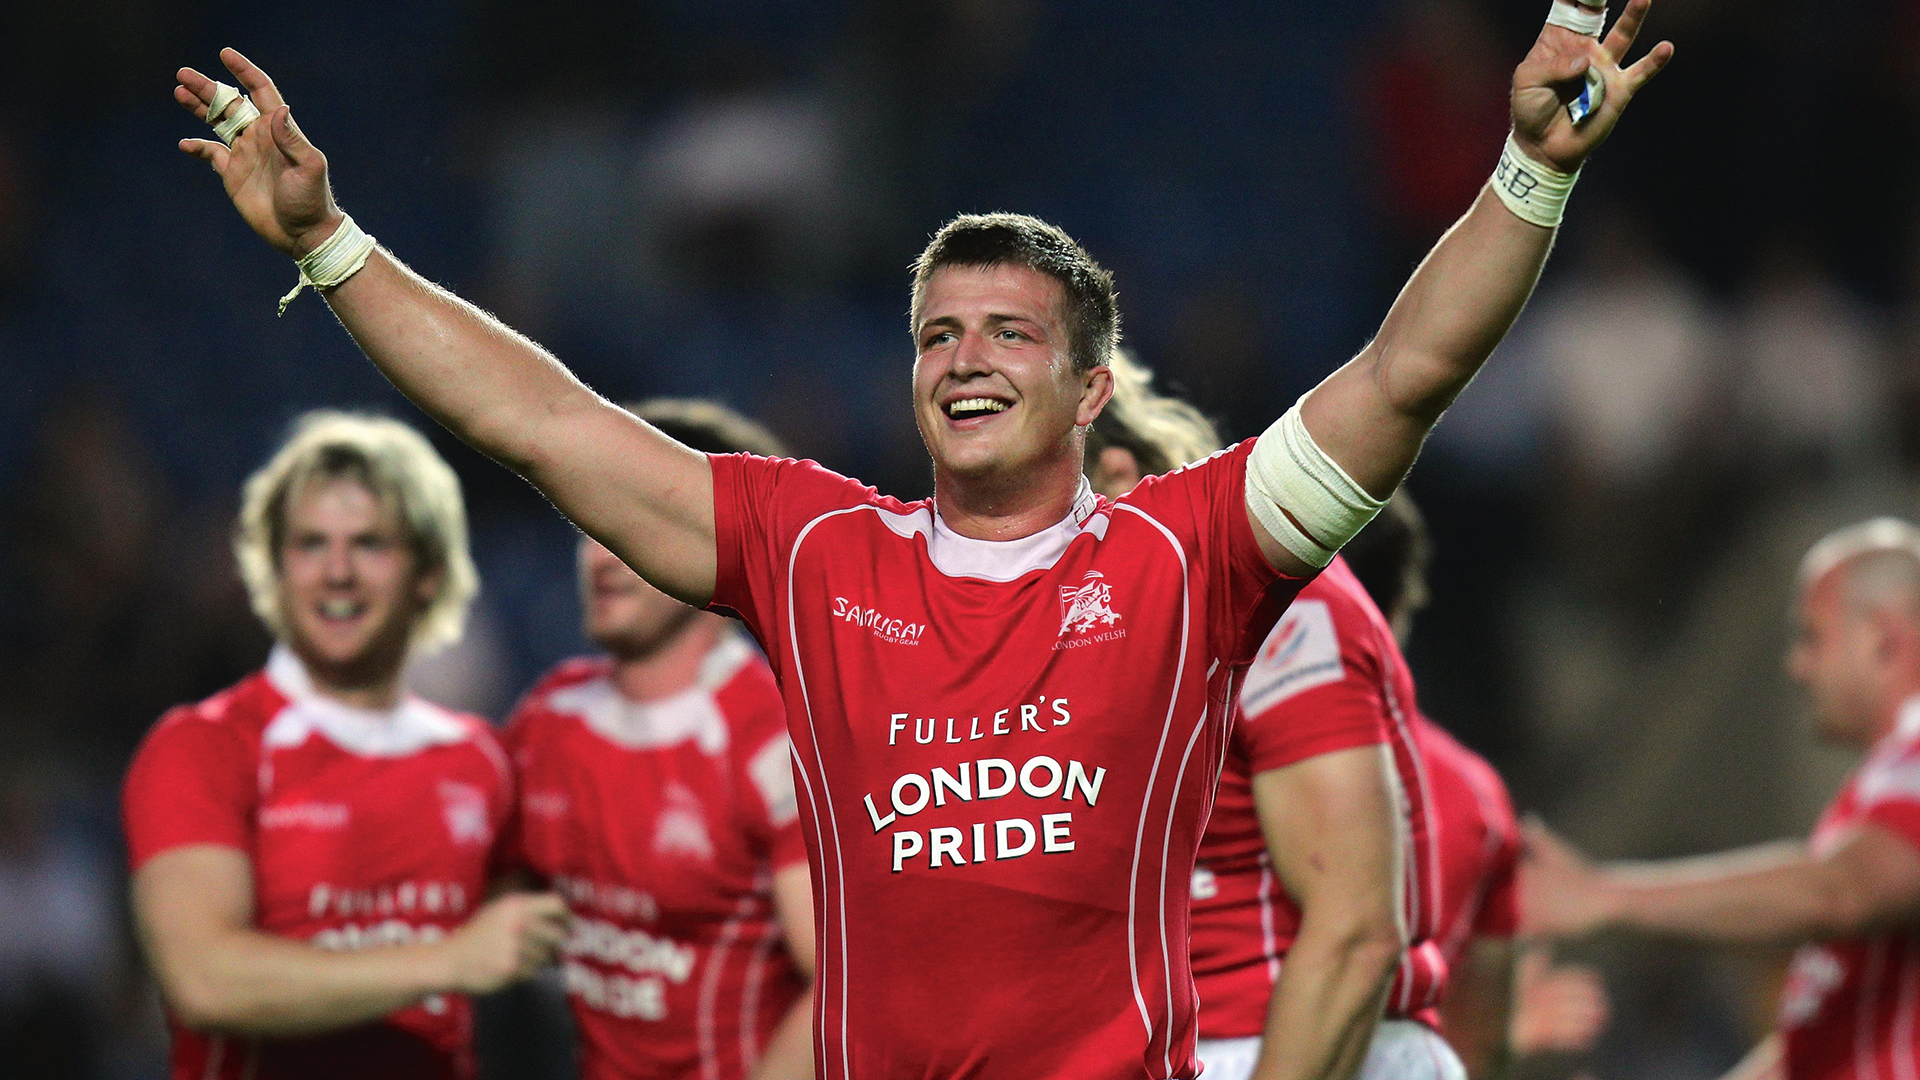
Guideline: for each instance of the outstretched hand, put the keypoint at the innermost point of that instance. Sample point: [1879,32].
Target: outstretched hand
[1562,894]
[275,177]
[1554,72]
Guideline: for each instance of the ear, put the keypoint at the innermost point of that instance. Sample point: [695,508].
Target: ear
[426,587]
[1096,389]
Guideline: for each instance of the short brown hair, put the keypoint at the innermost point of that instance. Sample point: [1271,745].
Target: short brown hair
[708,426]
[1000,239]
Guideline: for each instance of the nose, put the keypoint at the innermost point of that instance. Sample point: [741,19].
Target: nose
[339,564]
[971,356]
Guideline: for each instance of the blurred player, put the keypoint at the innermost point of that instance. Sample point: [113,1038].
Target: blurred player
[1497,1003]
[1268,976]
[657,796]
[1851,897]
[1007,702]
[311,848]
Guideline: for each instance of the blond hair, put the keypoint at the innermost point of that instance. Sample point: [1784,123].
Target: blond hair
[401,469]
[1160,431]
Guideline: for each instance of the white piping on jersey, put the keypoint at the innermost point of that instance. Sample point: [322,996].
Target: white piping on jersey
[408,728]
[1153,776]
[996,560]
[1463,922]
[1904,1052]
[1429,813]
[820,908]
[1269,941]
[704,1020]
[1866,1056]
[833,821]
[1166,850]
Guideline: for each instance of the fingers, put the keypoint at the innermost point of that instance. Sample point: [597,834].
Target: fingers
[195,84]
[252,80]
[1644,69]
[1626,28]
[287,137]
[207,150]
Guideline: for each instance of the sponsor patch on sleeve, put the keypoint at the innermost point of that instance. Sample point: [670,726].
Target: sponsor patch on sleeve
[772,772]
[1302,652]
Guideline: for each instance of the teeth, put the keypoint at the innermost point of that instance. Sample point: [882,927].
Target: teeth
[976,405]
[339,609]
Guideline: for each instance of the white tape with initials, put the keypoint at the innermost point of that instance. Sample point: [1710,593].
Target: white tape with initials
[1534,192]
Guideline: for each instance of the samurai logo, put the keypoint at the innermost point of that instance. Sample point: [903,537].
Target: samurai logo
[1086,606]
[465,807]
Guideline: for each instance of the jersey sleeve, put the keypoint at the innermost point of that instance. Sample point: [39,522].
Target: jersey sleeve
[1315,686]
[1205,506]
[1889,796]
[760,507]
[1499,914]
[772,806]
[193,781]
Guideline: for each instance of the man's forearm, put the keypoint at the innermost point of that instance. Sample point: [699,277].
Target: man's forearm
[253,983]
[789,1053]
[471,372]
[1327,1002]
[1772,893]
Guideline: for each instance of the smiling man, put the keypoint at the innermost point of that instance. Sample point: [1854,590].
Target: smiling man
[1008,702]
[312,848]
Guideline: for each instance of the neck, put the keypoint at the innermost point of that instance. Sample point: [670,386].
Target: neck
[1007,507]
[373,685]
[674,667]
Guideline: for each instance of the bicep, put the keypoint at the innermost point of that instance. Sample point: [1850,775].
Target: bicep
[648,498]
[793,907]
[1333,826]
[185,898]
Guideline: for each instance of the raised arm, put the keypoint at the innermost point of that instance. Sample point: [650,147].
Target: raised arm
[193,908]
[1371,416]
[646,497]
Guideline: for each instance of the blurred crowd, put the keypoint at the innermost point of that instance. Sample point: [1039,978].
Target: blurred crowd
[719,197]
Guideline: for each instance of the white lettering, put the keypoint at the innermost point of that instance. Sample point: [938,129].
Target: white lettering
[979,841]
[1061,715]
[1000,723]
[950,737]
[1055,828]
[1027,715]
[895,727]
[977,733]
[943,782]
[906,845]
[990,789]
[1077,775]
[916,731]
[1034,764]
[946,842]
[1005,826]
[878,821]
[914,780]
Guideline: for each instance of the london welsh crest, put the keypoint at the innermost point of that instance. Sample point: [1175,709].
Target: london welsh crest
[1087,605]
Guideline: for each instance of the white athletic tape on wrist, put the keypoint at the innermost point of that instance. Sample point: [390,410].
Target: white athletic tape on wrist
[242,113]
[1534,192]
[338,258]
[1304,498]
[1578,19]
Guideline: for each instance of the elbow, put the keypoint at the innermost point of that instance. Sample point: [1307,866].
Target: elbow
[198,1003]
[1841,910]
[1372,949]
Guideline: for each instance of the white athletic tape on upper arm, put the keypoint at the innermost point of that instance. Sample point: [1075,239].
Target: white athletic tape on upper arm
[1303,498]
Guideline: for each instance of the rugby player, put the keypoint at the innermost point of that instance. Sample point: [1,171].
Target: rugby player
[1007,702]
[1265,996]
[1850,898]
[312,848]
[656,794]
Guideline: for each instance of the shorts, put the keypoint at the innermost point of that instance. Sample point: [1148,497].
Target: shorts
[1401,1050]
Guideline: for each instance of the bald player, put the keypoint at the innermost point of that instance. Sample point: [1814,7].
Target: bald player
[1850,897]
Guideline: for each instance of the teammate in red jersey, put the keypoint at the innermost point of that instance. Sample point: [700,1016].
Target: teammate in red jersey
[1007,702]
[311,848]
[1495,1005]
[1321,799]
[1850,898]
[657,796]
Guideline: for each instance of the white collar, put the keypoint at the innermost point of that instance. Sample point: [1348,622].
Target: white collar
[1906,722]
[690,715]
[1000,560]
[409,727]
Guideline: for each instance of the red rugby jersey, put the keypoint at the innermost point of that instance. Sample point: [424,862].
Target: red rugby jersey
[1004,754]
[1477,842]
[364,829]
[1851,1008]
[662,824]
[1329,677]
